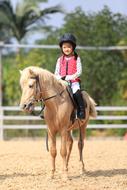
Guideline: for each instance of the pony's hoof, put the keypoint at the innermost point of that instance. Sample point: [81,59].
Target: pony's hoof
[82,171]
[50,176]
[82,168]
[65,176]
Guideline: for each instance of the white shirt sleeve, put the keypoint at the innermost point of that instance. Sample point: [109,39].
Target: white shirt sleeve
[57,69]
[79,67]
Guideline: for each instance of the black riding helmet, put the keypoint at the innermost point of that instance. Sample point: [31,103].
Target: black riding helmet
[67,37]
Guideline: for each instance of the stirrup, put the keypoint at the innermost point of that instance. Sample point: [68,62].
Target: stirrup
[81,115]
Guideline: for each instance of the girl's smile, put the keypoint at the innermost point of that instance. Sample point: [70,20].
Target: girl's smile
[67,48]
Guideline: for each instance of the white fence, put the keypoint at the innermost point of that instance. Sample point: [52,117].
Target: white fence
[4,117]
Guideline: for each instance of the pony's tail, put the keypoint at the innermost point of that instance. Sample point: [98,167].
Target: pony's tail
[92,111]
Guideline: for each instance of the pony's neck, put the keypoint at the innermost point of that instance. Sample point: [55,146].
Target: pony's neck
[50,86]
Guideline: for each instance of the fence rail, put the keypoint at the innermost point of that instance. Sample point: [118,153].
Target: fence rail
[7,115]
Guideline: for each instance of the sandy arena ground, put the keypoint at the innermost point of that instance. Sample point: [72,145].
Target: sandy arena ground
[25,165]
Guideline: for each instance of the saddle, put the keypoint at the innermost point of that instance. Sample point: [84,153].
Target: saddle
[69,90]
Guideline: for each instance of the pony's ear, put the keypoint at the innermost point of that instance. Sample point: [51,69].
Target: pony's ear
[32,72]
[20,71]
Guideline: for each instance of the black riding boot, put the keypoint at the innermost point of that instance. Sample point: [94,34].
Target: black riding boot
[80,105]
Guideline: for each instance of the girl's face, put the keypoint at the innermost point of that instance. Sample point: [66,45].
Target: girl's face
[67,48]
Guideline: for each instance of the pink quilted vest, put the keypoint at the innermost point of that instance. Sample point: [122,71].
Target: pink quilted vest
[68,67]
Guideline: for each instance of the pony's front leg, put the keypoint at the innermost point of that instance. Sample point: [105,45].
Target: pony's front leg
[69,147]
[63,152]
[53,152]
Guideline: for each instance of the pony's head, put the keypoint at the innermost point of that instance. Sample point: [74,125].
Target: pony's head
[37,84]
[29,83]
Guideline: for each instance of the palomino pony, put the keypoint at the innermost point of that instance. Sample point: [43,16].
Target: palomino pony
[39,84]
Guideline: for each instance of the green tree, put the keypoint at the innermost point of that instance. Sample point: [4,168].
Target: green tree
[27,16]
[123,81]
[35,57]
[101,69]
[17,21]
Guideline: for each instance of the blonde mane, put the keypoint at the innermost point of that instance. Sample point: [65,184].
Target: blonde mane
[44,74]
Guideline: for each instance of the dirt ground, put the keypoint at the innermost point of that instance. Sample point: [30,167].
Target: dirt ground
[25,165]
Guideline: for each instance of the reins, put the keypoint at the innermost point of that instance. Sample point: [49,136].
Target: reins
[43,99]
[58,94]
[40,113]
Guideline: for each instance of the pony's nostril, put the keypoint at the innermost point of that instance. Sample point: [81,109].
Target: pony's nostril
[23,106]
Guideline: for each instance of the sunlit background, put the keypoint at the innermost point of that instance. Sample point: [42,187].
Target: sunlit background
[96,24]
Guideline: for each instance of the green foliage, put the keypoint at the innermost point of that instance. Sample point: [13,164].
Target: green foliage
[12,65]
[123,81]
[9,133]
[38,57]
[102,70]
[116,132]
[11,89]
[22,19]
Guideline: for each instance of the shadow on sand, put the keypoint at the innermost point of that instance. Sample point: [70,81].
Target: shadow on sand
[104,173]
[96,173]
[14,175]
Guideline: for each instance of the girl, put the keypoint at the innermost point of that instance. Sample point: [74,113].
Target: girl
[69,68]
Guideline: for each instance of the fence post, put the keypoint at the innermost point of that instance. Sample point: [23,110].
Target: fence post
[1,78]
[1,124]
[1,110]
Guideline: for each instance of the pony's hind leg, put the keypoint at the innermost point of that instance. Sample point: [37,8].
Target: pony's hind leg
[81,146]
[53,152]
[69,147]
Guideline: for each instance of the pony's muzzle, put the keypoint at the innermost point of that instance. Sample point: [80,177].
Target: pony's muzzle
[27,107]
[22,107]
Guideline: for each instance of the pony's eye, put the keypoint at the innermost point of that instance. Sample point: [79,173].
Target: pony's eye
[30,86]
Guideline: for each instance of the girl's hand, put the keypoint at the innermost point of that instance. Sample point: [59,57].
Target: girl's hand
[63,78]
[65,82]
